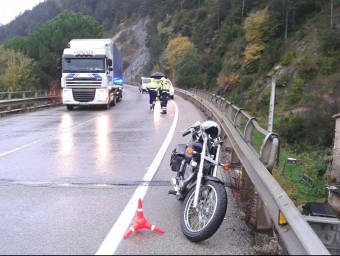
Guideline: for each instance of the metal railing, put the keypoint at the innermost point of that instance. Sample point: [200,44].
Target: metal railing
[22,101]
[257,150]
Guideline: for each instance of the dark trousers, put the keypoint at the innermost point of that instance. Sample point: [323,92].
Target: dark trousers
[164,99]
[152,95]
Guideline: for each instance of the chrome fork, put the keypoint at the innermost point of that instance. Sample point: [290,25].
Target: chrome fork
[200,173]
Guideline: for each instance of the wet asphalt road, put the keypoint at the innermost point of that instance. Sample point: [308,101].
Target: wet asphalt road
[67,176]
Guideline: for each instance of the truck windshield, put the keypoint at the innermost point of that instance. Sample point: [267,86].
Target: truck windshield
[83,65]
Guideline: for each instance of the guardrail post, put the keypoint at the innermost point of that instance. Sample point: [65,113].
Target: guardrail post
[229,111]
[9,96]
[237,120]
[263,218]
[248,130]
[268,155]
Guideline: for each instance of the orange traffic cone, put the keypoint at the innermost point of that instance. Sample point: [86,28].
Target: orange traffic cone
[140,222]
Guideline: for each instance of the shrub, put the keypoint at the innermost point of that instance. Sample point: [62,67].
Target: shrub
[263,101]
[330,42]
[288,58]
[310,163]
[291,128]
[264,68]
[295,91]
[245,82]
[328,65]
[307,68]
[302,33]
[283,80]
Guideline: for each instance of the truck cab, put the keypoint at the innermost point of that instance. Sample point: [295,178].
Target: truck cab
[90,74]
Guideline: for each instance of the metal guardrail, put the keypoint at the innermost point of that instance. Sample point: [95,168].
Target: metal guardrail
[27,100]
[243,131]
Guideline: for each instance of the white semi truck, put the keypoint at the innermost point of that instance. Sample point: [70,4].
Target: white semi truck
[91,73]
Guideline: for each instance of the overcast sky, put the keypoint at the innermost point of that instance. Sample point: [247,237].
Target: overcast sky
[9,9]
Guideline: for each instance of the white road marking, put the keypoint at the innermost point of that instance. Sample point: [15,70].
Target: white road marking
[112,240]
[35,142]
[19,148]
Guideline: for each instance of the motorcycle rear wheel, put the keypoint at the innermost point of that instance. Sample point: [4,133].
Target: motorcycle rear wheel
[200,223]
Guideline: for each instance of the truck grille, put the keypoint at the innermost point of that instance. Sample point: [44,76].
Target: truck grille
[83,79]
[83,82]
[84,95]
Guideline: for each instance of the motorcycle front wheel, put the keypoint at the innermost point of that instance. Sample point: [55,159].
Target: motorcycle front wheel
[200,223]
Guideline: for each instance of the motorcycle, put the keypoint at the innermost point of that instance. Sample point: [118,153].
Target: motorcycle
[196,164]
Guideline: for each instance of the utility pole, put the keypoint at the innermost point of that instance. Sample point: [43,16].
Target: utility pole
[271,105]
[272,99]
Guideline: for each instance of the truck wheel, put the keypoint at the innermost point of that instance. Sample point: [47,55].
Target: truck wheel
[107,106]
[114,101]
[69,107]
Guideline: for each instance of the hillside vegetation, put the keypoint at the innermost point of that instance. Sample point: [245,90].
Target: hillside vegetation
[234,48]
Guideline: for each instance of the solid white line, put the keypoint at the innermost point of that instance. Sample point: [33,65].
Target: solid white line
[112,240]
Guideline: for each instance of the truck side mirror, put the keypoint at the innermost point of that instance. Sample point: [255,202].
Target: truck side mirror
[59,63]
[109,62]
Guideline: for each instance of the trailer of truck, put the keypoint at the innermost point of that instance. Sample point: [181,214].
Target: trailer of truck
[91,73]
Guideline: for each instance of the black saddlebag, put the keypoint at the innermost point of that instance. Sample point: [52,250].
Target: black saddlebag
[177,156]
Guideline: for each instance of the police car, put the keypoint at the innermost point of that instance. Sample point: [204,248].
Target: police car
[143,83]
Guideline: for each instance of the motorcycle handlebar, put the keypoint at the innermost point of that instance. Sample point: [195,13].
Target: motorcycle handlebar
[186,133]
[190,130]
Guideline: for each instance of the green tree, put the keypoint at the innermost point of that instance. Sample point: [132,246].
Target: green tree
[189,70]
[47,42]
[258,28]
[175,50]
[17,71]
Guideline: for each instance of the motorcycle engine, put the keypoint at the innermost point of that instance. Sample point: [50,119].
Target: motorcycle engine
[188,171]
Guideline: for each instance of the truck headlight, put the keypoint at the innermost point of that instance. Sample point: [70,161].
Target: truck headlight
[67,94]
[101,93]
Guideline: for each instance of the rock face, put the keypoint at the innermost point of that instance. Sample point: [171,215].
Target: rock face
[334,194]
[141,56]
[336,150]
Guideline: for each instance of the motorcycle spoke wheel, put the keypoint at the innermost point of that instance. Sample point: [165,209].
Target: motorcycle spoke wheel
[197,218]
[200,223]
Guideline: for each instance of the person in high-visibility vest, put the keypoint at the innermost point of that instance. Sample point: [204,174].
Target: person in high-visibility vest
[152,88]
[164,92]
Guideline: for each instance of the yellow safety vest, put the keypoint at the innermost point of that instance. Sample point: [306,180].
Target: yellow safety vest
[152,86]
[164,86]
